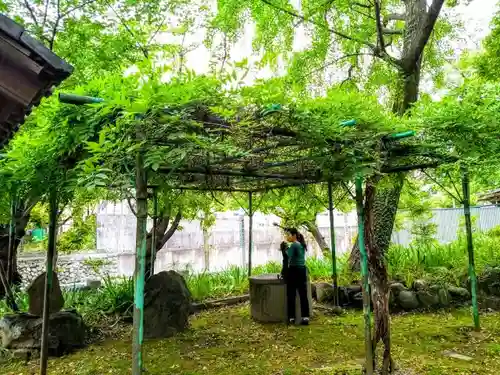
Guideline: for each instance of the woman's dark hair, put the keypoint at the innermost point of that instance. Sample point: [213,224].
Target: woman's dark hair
[300,237]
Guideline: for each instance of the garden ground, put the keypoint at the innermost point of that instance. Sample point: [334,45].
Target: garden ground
[228,342]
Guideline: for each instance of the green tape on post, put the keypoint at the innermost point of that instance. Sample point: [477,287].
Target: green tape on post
[348,123]
[364,273]
[78,99]
[470,246]
[406,134]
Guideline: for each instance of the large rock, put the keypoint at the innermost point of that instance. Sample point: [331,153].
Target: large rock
[443,295]
[489,281]
[21,333]
[428,299]
[397,288]
[407,300]
[36,292]
[459,294]
[167,305]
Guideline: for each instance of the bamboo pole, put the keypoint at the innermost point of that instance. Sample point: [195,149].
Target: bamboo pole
[140,263]
[250,234]
[333,246]
[153,233]
[49,272]
[364,272]
[470,245]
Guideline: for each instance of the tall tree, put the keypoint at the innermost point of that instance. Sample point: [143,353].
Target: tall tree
[387,40]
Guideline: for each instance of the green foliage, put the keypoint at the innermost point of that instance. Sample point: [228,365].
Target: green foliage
[488,62]
[80,236]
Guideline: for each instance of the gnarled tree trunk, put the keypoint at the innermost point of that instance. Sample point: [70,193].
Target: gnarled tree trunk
[381,201]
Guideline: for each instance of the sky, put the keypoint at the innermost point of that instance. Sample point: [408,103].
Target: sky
[475,16]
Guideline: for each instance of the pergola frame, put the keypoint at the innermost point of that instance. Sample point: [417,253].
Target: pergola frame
[216,176]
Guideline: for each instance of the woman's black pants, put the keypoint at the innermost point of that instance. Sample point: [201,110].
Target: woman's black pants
[296,281]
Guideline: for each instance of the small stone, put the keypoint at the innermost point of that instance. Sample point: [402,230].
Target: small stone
[408,300]
[36,293]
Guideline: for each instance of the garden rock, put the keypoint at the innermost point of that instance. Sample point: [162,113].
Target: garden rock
[443,295]
[167,305]
[21,333]
[491,303]
[324,292]
[36,292]
[489,281]
[460,294]
[397,288]
[408,300]
[427,299]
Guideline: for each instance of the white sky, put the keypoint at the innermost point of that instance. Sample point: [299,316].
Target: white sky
[475,16]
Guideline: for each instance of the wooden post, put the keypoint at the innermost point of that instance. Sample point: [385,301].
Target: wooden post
[49,272]
[470,246]
[333,246]
[12,242]
[250,230]
[153,232]
[364,273]
[141,191]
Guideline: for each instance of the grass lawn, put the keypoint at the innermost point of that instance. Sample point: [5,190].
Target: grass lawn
[228,342]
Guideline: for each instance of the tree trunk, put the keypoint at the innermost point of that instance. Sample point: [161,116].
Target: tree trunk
[164,231]
[22,218]
[206,249]
[381,200]
[385,205]
[312,228]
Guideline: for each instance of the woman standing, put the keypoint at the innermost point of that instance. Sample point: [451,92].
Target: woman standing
[296,278]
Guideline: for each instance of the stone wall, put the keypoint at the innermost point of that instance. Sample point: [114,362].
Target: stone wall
[72,269]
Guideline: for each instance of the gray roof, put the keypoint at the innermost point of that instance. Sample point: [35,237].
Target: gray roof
[28,72]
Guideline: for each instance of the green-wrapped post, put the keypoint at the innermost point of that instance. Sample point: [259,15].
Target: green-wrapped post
[333,246]
[140,262]
[48,282]
[250,230]
[153,232]
[470,246]
[364,272]
[79,99]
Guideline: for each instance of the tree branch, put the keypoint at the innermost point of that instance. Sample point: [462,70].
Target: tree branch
[392,32]
[170,232]
[131,206]
[335,32]
[367,6]
[56,25]
[377,51]
[418,44]
[32,13]
[336,61]
[85,3]
[122,21]
[378,20]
